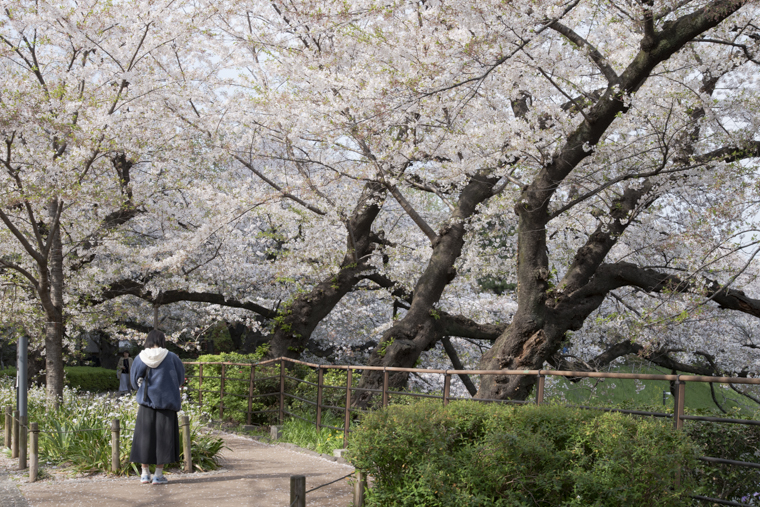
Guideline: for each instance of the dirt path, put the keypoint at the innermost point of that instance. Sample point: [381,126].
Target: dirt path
[253,474]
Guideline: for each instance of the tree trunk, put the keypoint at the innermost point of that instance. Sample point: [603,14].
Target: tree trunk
[296,321]
[417,331]
[52,303]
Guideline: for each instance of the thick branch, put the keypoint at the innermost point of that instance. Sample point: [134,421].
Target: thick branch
[612,276]
[457,325]
[592,254]
[137,289]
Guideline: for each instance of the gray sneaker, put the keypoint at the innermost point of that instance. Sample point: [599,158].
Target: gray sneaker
[159,479]
[145,479]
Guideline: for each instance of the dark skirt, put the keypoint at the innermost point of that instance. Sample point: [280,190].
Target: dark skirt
[156,440]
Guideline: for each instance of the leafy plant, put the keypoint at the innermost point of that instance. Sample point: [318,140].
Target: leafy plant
[470,454]
[236,386]
[727,441]
[305,434]
[78,434]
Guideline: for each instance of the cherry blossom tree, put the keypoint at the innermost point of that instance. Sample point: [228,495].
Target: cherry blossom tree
[83,86]
[598,124]
[599,157]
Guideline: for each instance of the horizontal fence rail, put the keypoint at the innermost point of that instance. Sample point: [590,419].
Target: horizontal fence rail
[276,371]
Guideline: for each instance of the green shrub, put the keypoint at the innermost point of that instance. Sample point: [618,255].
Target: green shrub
[727,441]
[236,386]
[469,454]
[94,380]
[330,397]
[83,378]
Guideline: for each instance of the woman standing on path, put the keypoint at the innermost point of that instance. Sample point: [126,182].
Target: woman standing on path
[122,371]
[157,374]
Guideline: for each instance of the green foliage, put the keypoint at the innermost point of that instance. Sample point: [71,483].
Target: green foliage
[236,386]
[219,335]
[384,346]
[330,397]
[205,450]
[305,434]
[78,434]
[470,454]
[637,394]
[94,380]
[736,442]
[83,378]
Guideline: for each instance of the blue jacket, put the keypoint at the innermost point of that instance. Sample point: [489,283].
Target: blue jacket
[160,386]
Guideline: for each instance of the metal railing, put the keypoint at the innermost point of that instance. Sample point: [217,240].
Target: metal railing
[679,381]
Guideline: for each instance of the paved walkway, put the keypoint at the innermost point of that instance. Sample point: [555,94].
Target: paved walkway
[253,474]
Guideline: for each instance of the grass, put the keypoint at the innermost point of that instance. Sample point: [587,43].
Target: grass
[646,393]
[305,434]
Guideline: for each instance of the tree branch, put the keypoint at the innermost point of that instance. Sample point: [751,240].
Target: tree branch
[452,353]
[593,53]
[136,288]
[274,185]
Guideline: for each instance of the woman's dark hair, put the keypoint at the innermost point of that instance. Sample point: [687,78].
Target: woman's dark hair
[155,339]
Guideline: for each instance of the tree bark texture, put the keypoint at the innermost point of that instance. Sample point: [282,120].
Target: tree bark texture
[418,330]
[295,322]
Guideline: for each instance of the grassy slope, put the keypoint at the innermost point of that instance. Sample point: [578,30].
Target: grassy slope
[650,393]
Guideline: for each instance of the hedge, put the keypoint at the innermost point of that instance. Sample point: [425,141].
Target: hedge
[84,378]
[473,454]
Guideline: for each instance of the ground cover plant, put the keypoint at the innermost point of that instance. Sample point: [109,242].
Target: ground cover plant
[479,454]
[305,434]
[77,436]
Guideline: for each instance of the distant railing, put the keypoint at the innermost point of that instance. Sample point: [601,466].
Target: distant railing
[678,415]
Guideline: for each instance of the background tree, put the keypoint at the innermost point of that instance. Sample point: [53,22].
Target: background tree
[81,92]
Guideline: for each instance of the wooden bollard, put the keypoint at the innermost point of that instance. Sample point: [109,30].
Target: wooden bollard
[8,425]
[14,447]
[22,434]
[115,431]
[298,490]
[34,458]
[359,486]
[185,423]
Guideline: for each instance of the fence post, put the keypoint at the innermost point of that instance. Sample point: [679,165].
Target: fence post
[282,390]
[200,385]
[185,423]
[385,388]
[359,486]
[446,387]
[14,447]
[22,442]
[34,457]
[347,421]
[221,394]
[320,380]
[8,425]
[298,491]
[250,393]
[679,400]
[115,434]
[540,390]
